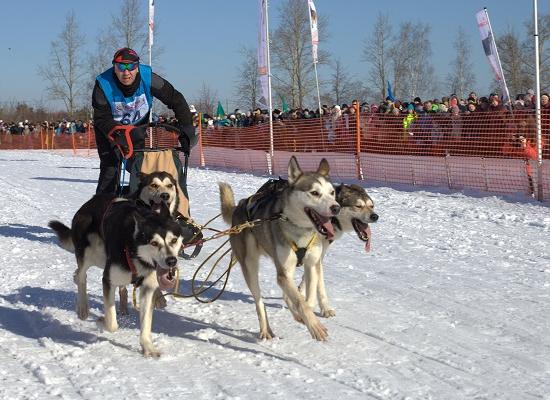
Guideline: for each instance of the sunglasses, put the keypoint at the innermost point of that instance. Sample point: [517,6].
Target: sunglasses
[126,66]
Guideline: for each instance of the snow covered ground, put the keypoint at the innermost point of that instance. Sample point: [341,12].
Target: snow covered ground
[452,303]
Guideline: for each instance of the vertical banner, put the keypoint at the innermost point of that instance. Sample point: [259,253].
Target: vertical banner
[314,30]
[151,21]
[263,71]
[491,51]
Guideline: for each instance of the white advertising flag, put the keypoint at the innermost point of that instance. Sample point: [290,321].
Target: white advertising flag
[151,20]
[314,30]
[263,71]
[490,48]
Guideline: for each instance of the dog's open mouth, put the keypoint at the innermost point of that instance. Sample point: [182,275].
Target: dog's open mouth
[363,232]
[156,207]
[166,278]
[321,223]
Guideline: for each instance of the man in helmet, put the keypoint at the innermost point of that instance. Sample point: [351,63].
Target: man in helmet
[123,95]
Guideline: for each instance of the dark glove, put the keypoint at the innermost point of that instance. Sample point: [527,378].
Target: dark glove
[187,137]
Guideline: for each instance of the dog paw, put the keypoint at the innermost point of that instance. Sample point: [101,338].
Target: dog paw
[83,312]
[318,331]
[160,302]
[266,335]
[151,352]
[109,326]
[123,309]
[327,312]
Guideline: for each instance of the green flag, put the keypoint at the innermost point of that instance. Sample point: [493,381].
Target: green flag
[284,106]
[219,111]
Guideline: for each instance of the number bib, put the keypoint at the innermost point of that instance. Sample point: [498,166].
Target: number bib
[131,113]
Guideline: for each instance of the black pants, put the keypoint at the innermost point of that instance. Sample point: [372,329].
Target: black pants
[110,160]
[109,172]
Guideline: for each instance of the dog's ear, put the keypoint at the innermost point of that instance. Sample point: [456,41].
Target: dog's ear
[324,168]
[141,176]
[294,170]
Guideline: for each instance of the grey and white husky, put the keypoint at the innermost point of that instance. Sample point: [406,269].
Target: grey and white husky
[356,213]
[134,244]
[305,208]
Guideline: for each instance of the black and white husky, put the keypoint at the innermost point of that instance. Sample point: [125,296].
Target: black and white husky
[85,238]
[306,206]
[133,243]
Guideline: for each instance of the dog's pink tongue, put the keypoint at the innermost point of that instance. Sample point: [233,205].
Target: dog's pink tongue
[329,229]
[368,233]
[165,279]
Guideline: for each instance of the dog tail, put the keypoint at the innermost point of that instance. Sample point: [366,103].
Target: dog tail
[227,200]
[64,234]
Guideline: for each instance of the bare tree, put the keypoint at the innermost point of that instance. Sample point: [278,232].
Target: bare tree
[544,50]
[206,100]
[401,55]
[291,51]
[246,84]
[512,57]
[128,28]
[342,87]
[64,71]
[461,78]
[100,59]
[376,54]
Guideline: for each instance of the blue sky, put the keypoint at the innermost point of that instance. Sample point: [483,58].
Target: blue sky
[202,38]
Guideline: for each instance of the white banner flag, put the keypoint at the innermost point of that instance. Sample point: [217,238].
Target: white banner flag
[263,69]
[314,30]
[490,48]
[151,21]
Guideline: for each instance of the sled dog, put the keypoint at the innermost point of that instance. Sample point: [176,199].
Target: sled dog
[305,208]
[356,213]
[135,245]
[85,238]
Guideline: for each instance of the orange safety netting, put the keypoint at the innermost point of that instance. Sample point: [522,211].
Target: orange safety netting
[480,150]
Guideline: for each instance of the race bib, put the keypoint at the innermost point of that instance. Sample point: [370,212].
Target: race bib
[131,113]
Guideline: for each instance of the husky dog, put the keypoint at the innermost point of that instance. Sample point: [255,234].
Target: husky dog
[85,237]
[356,213]
[131,242]
[138,243]
[305,208]
[157,188]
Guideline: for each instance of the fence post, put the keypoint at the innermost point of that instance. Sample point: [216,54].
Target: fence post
[358,142]
[73,140]
[201,153]
[89,129]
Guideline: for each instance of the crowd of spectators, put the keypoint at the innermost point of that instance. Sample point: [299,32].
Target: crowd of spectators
[60,127]
[451,105]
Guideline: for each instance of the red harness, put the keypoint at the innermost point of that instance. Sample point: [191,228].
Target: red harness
[131,265]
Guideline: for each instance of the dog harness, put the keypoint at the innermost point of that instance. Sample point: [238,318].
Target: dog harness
[301,251]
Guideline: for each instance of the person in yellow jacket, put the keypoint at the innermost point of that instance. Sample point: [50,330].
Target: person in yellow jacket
[407,122]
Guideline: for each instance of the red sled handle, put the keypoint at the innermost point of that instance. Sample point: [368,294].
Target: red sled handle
[126,129]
